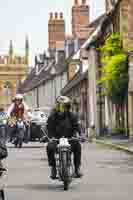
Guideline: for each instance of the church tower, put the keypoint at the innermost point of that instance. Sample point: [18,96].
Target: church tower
[26,50]
[11,52]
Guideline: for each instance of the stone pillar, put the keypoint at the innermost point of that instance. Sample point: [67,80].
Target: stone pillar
[130,24]
[106,112]
[93,91]
[124,21]
[1,94]
[130,115]
[14,89]
[130,97]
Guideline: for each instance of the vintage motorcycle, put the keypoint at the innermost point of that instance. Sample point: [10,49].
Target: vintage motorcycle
[64,163]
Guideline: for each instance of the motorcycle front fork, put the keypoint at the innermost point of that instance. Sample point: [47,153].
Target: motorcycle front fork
[59,163]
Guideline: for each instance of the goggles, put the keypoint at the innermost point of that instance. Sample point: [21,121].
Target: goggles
[60,108]
[18,99]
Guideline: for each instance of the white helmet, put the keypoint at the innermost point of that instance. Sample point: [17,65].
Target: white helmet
[63,99]
[19,96]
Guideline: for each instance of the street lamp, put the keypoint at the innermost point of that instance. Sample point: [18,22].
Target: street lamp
[53,73]
[7,87]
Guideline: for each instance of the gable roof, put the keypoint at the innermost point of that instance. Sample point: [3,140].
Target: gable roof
[33,80]
[74,82]
[98,33]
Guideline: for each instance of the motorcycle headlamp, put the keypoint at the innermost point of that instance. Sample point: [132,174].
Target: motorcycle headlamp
[4,121]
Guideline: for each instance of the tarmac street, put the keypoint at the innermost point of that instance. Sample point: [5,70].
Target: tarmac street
[108,174]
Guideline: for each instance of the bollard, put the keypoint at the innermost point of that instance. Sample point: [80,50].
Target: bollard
[91,133]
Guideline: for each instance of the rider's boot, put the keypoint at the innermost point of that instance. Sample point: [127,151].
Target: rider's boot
[78,173]
[2,168]
[53,173]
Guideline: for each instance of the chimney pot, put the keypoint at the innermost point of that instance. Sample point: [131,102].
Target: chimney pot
[51,15]
[61,15]
[56,15]
[76,2]
[83,2]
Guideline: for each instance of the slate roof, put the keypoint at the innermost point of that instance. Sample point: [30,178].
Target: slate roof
[74,82]
[98,33]
[33,80]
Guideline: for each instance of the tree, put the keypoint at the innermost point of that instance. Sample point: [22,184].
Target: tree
[114,77]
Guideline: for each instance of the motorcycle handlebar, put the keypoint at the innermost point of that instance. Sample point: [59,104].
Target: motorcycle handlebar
[69,139]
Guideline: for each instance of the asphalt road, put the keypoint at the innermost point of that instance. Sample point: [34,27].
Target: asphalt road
[108,175]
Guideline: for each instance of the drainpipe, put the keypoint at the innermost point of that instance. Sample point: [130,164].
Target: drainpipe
[37,98]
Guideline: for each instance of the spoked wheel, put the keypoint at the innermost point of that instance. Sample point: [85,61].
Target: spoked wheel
[21,138]
[66,185]
[16,143]
[20,144]
[66,172]
[2,195]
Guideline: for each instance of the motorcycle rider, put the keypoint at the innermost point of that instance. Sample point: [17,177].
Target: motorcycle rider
[18,109]
[62,122]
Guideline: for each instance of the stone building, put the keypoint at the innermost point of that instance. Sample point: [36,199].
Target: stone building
[13,69]
[41,88]
[78,81]
[124,12]
[116,19]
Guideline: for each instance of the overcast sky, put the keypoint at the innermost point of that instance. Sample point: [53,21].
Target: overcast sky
[21,17]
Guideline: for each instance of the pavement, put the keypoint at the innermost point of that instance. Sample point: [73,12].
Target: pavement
[120,144]
[108,174]
[28,145]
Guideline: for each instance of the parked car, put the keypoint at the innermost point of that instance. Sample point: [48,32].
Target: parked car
[38,120]
[3,125]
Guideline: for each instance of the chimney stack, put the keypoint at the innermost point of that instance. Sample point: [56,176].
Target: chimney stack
[56,29]
[80,19]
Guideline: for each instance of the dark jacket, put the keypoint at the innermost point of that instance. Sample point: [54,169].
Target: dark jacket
[65,124]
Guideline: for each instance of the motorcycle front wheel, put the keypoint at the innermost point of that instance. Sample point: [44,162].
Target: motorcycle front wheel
[65,170]
[2,195]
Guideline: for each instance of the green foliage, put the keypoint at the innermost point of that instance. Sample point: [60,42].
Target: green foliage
[115,69]
[119,130]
